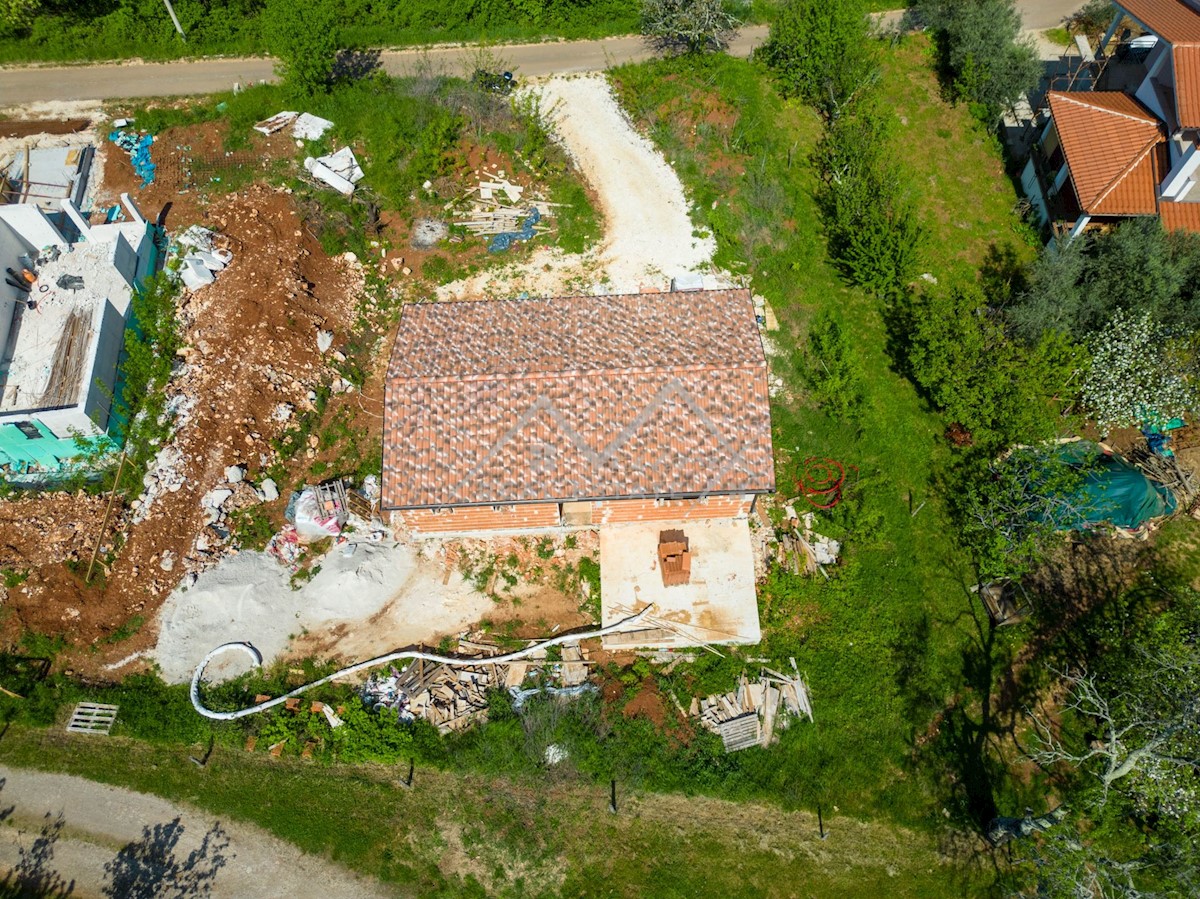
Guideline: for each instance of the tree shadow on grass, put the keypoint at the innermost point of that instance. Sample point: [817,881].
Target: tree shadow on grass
[151,868]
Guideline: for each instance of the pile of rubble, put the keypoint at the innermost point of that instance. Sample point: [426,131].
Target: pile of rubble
[305,126]
[451,697]
[500,209]
[201,258]
[750,715]
[801,549]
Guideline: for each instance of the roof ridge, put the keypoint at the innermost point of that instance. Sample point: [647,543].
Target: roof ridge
[557,374]
[1125,172]
[575,296]
[1070,96]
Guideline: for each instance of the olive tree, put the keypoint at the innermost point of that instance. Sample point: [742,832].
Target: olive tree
[820,52]
[688,26]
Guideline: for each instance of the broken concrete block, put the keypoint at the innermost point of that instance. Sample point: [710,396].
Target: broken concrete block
[195,273]
[215,498]
[211,261]
[234,474]
[310,127]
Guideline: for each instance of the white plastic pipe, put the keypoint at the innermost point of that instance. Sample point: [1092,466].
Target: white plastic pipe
[256,658]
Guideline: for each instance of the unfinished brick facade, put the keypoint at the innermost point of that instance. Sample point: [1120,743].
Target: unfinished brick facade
[534,516]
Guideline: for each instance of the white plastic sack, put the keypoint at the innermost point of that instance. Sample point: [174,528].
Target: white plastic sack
[311,522]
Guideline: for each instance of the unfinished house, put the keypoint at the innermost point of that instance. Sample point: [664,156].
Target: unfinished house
[1131,146]
[64,307]
[633,414]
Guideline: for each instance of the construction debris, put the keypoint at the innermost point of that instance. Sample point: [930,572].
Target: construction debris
[339,170]
[750,715]
[201,258]
[304,125]
[451,697]
[801,549]
[501,210]
[138,148]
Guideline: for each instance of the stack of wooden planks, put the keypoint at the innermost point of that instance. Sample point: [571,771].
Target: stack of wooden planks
[495,205]
[750,715]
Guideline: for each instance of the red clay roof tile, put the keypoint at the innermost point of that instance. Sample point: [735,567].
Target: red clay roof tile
[508,401]
[1113,149]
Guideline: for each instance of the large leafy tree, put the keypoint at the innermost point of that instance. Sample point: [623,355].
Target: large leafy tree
[959,353]
[984,57]
[820,52]
[303,36]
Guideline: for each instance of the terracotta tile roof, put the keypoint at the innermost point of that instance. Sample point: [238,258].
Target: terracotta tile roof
[507,401]
[1175,21]
[1114,149]
[1180,216]
[1178,23]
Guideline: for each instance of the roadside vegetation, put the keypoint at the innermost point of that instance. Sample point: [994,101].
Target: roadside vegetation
[61,30]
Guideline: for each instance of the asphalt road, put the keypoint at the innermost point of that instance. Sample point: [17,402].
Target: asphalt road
[21,85]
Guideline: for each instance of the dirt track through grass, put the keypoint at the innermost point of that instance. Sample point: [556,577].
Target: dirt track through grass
[470,835]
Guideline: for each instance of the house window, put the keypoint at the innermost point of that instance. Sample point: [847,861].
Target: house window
[504,508]
[443,510]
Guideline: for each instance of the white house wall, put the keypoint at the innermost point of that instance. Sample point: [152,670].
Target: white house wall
[31,224]
[100,385]
[11,248]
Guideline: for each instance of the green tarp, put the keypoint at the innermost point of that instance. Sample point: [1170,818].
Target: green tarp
[1106,488]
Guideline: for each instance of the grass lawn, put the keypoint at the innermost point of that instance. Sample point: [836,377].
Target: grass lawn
[454,835]
[895,634]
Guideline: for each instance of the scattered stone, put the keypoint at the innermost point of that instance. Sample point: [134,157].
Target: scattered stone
[324,341]
[167,562]
[234,474]
[268,491]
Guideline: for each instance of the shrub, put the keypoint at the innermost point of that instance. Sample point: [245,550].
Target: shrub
[871,219]
[819,52]
[688,26]
[998,390]
[303,35]
[1136,374]
[835,371]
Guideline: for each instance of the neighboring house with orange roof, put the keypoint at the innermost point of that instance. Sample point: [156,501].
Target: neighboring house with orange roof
[530,414]
[1105,155]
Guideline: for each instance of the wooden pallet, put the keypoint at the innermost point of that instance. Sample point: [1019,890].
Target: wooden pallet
[92,718]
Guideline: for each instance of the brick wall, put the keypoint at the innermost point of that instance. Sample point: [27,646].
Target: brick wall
[614,511]
[480,518]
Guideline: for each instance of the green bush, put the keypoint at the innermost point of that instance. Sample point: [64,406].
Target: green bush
[820,52]
[869,214]
[112,29]
[834,368]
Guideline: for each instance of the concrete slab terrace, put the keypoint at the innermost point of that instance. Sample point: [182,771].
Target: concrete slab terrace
[719,603]
[37,334]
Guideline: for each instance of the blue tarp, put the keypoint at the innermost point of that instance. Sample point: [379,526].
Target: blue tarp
[138,148]
[506,239]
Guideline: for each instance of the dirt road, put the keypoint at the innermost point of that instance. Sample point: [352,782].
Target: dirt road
[204,76]
[19,85]
[102,840]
